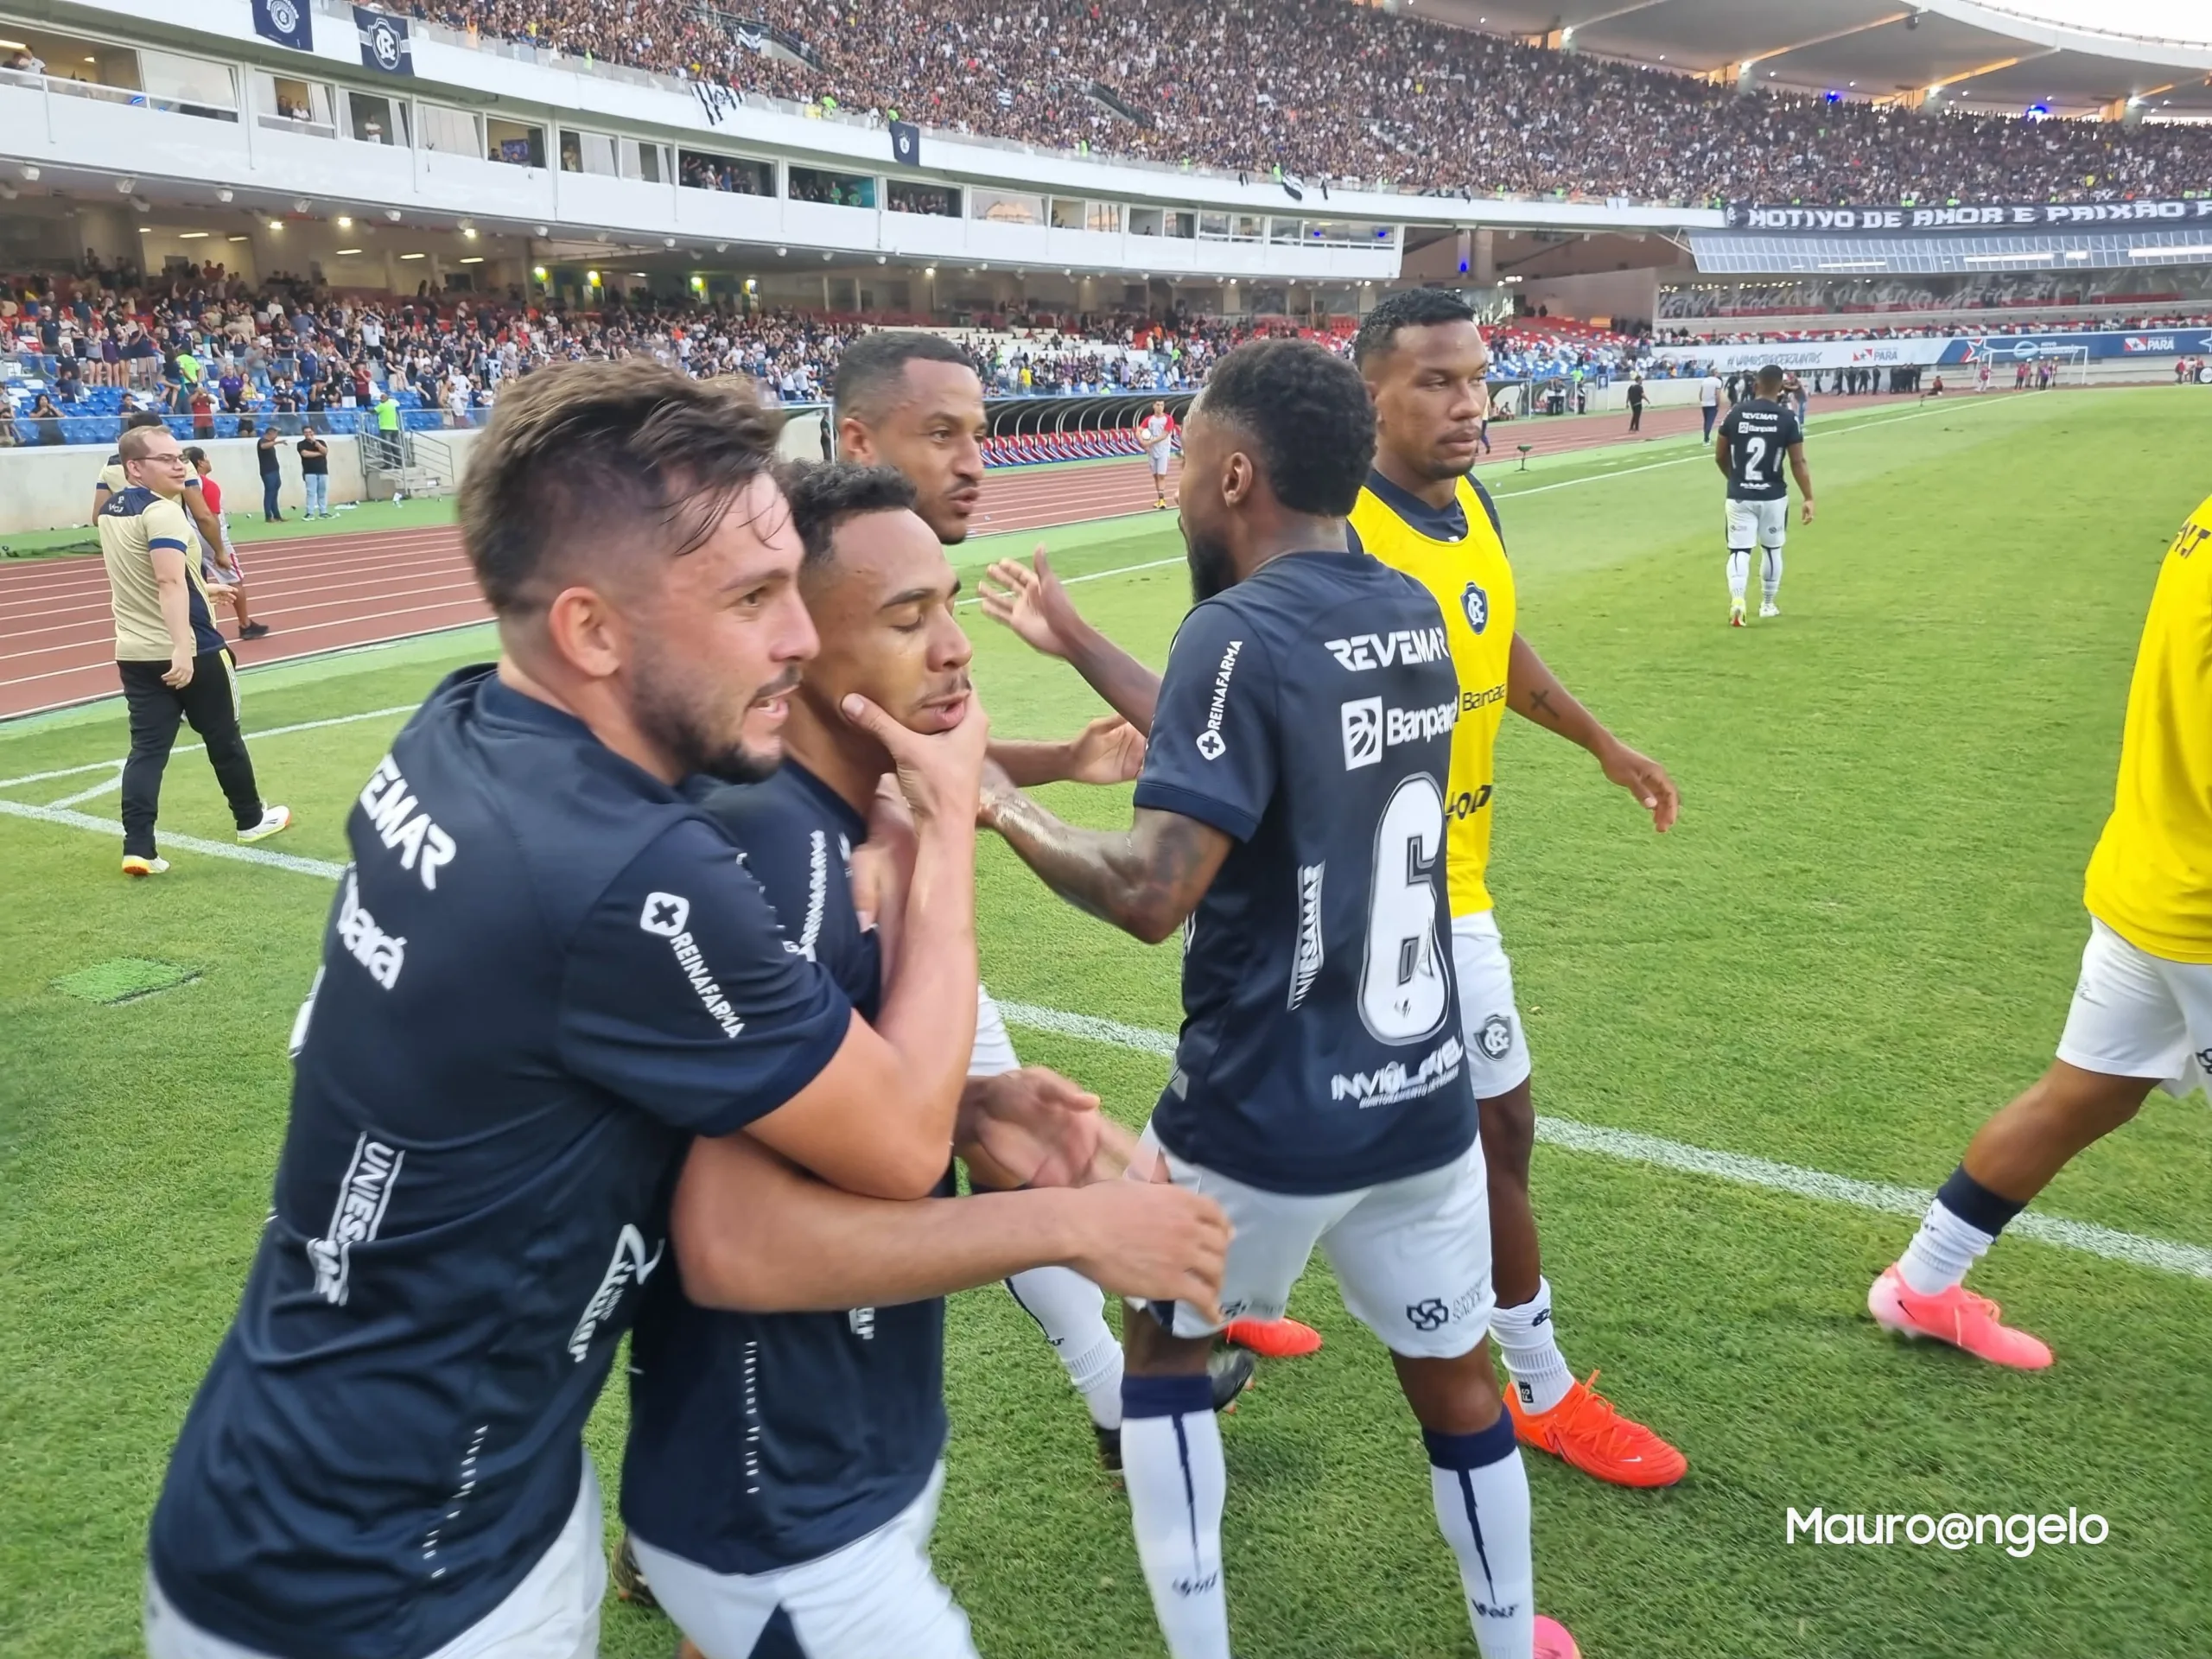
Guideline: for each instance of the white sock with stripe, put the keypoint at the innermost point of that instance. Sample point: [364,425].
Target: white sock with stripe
[1173,1469]
[1739,575]
[1529,1346]
[1481,1492]
[1770,575]
[1072,1311]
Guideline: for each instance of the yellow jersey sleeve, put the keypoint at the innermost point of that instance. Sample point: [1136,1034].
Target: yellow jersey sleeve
[2150,879]
[1472,584]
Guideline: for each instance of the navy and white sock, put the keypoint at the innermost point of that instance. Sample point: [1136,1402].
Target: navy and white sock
[1482,1506]
[1072,1313]
[1530,1344]
[1770,575]
[1172,1469]
[1739,574]
[1958,1231]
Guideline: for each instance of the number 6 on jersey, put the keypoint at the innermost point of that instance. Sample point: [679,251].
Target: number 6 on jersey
[1404,990]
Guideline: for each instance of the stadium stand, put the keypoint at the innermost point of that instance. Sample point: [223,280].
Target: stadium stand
[1329,92]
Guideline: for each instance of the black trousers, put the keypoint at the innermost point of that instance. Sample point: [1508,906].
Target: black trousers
[211,704]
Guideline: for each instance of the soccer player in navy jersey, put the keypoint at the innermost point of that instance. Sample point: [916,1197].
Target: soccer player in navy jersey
[1290,818]
[545,973]
[789,1462]
[911,401]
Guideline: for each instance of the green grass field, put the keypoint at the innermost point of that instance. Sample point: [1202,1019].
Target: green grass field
[1861,940]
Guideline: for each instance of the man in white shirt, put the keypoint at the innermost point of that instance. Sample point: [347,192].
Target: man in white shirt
[1708,402]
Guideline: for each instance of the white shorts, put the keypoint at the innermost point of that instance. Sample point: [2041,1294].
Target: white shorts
[1497,1049]
[1159,462]
[993,1052]
[1764,523]
[2137,1015]
[1411,1257]
[552,1614]
[875,1597]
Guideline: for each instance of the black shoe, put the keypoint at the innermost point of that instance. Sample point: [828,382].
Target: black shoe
[1110,1448]
[630,1578]
[253,630]
[1229,1371]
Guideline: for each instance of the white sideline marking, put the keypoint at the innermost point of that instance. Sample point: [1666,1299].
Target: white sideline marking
[196,748]
[2164,1255]
[171,840]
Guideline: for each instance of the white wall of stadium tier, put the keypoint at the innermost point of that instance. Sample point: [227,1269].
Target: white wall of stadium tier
[248,116]
[51,488]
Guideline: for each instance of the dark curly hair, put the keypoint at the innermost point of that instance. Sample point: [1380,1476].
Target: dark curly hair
[1306,411]
[1409,308]
[824,495]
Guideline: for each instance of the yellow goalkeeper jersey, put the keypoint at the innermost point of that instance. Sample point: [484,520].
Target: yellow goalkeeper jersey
[2149,880]
[1459,555]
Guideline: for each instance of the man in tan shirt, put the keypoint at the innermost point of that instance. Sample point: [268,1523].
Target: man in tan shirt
[170,657]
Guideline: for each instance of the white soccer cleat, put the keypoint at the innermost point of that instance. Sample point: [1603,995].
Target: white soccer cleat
[1735,616]
[1769,610]
[273,818]
[134,865]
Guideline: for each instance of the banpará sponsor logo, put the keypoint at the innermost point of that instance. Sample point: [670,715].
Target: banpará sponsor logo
[2019,1536]
[1211,744]
[1361,652]
[383,954]
[1369,728]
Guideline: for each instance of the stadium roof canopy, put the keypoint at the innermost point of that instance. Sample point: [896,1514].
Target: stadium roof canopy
[2073,57]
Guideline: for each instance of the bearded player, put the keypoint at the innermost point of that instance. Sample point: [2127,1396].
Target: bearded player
[2142,1012]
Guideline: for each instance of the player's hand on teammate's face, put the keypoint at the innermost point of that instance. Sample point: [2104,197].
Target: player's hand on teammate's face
[178,675]
[1155,1241]
[1108,751]
[938,772]
[1647,780]
[1028,599]
[1029,1127]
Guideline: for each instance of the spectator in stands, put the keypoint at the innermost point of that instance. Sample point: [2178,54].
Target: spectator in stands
[203,415]
[46,419]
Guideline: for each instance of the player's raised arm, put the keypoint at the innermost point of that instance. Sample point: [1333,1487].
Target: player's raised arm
[1109,750]
[1030,600]
[1534,692]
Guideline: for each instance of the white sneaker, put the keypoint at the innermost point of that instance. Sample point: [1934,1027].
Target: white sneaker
[134,865]
[273,818]
[1769,610]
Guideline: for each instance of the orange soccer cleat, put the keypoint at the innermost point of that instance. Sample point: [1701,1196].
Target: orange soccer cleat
[1274,1338]
[1956,1316]
[1588,1431]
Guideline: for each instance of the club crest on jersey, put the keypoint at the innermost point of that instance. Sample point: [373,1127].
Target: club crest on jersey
[1475,603]
[1497,1037]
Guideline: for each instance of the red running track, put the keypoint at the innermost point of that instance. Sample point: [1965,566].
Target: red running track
[325,593]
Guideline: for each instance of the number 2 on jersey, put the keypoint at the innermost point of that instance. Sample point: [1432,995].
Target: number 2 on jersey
[1404,990]
[1754,460]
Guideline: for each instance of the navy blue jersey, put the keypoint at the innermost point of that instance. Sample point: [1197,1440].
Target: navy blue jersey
[757,1441]
[1320,1049]
[1759,433]
[544,971]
